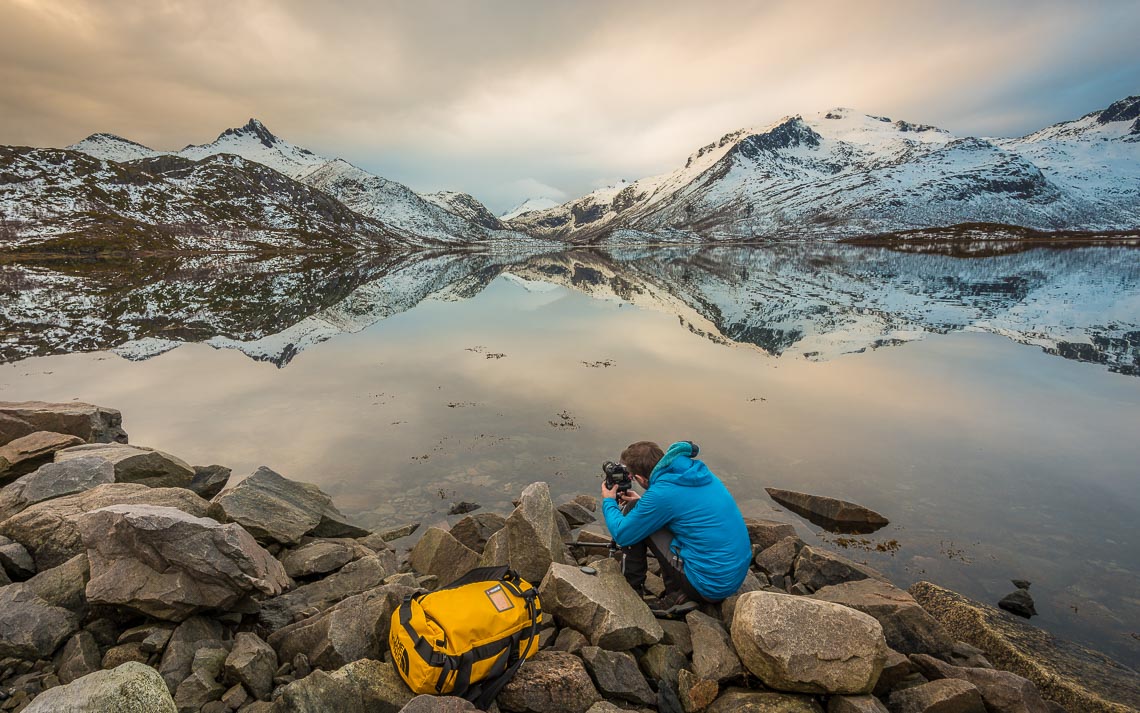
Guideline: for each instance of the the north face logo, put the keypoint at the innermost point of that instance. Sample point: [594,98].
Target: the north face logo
[400,655]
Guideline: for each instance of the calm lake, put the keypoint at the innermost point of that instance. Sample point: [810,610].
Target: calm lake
[988,405]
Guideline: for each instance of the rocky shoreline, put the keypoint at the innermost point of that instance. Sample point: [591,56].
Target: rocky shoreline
[132,581]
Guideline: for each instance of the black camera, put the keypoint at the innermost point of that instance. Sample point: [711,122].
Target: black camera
[617,474]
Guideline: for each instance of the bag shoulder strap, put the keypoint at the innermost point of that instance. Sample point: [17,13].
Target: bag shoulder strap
[488,689]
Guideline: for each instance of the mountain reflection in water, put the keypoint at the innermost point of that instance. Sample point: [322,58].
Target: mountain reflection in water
[816,301]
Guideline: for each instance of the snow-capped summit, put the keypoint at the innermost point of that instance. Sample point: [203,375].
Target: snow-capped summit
[113,148]
[256,129]
[257,143]
[528,205]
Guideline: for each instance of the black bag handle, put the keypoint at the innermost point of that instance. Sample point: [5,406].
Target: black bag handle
[484,694]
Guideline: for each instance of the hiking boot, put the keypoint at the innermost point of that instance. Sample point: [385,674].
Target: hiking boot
[673,606]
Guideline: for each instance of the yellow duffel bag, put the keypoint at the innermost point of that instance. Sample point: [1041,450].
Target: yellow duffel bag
[469,638]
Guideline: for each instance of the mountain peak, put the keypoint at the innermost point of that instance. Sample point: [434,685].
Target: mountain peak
[253,128]
[1127,109]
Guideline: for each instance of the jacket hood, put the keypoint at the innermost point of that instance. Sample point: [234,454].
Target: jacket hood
[679,467]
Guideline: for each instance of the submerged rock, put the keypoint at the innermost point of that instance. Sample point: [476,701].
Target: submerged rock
[275,509]
[804,645]
[165,563]
[130,688]
[1019,602]
[94,424]
[25,454]
[829,513]
[135,464]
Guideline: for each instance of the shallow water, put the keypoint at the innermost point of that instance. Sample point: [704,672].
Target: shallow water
[988,406]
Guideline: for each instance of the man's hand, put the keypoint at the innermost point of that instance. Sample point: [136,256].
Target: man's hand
[629,498]
[609,492]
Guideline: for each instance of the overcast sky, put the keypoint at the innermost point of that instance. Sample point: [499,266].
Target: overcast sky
[506,100]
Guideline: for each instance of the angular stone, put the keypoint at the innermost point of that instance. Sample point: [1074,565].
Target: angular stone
[713,656]
[474,530]
[94,424]
[440,554]
[25,454]
[696,693]
[765,533]
[130,688]
[63,586]
[201,686]
[602,606]
[400,532]
[617,676]
[135,464]
[855,704]
[677,633]
[54,480]
[252,662]
[15,560]
[807,646]
[426,703]
[119,655]
[570,641]
[30,627]
[728,606]
[235,697]
[576,514]
[780,557]
[151,637]
[946,696]
[742,700]
[906,625]
[364,685]
[50,529]
[897,668]
[165,563]
[192,634]
[209,480]
[352,629]
[1078,678]
[275,509]
[531,537]
[550,682]
[816,569]
[354,578]
[1002,691]
[830,513]
[78,657]
[320,557]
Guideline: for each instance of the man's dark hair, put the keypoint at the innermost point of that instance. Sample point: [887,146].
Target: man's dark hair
[642,457]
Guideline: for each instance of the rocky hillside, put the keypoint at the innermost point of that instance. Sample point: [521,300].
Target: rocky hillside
[841,173]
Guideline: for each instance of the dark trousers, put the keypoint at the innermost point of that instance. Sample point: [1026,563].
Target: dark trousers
[636,564]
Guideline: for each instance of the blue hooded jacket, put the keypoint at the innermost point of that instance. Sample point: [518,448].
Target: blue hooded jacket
[708,530]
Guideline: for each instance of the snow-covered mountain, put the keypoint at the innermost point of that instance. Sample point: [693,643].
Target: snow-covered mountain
[841,173]
[465,206]
[527,206]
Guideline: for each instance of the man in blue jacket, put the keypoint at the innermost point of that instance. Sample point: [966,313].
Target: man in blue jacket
[687,518]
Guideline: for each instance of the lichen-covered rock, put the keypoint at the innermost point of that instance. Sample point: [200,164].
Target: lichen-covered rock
[945,696]
[550,682]
[602,606]
[440,554]
[130,688]
[25,454]
[906,625]
[696,693]
[364,685]
[168,564]
[803,645]
[135,464]
[275,509]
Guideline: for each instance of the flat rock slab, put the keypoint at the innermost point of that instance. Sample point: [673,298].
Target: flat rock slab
[94,424]
[50,529]
[602,606]
[320,557]
[135,464]
[817,568]
[355,577]
[54,480]
[275,509]
[130,688]
[550,682]
[906,625]
[1078,678]
[171,565]
[802,645]
[26,453]
[829,513]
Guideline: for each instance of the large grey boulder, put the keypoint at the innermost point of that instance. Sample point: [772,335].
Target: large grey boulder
[440,554]
[474,530]
[906,625]
[195,633]
[130,688]
[530,540]
[807,646]
[352,629]
[50,529]
[765,533]
[25,454]
[713,656]
[602,606]
[365,686]
[275,509]
[30,627]
[253,663]
[1002,691]
[742,700]
[135,464]
[816,569]
[54,480]
[94,424]
[355,577]
[550,682]
[319,557]
[945,696]
[617,676]
[165,563]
